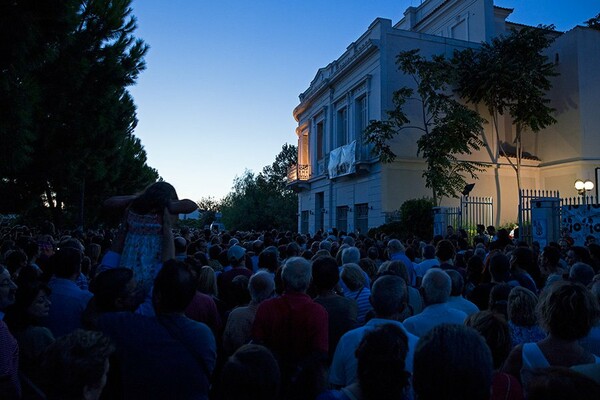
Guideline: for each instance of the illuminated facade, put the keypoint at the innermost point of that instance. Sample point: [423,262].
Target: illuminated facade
[339,182]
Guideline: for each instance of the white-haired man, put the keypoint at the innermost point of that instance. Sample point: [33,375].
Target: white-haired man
[293,326]
[436,289]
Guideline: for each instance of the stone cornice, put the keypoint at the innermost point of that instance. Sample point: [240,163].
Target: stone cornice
[335,70]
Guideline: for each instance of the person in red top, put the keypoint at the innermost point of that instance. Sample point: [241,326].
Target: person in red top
[294,328]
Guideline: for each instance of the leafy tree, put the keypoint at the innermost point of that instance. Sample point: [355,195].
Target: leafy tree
[417,216]
[510,75]
[208,206]
[449,129]
[262,201]
[416,219]
[594,23]
[75,120]
[276,173]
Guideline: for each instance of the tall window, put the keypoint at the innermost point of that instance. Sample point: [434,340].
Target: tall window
[319,211]
[304,222]
[361,217]
[342,126]
[320,140]
[341,218]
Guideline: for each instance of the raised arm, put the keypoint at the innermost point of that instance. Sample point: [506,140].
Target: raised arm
[184,206]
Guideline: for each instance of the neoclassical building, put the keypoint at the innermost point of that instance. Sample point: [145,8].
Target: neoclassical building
[341,184]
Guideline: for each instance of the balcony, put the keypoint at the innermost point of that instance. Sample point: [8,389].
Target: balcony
[297,175]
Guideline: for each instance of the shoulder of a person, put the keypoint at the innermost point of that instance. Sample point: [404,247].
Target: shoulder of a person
[121,319]
[190,324]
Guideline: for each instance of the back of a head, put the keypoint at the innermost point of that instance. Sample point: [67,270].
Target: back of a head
[522,303]
[581,273]
[559,383]
[214,251]
[156,197]
[458,282]
[207,281]
[292,250]
[251,373]
[325,245]
[261,286]
[296,274]
[395,246]
[180,245]
[368,266]
[339,252]
[109,286]
[389,295]
[267,259]
[428,252]
[353,276]
[174,287]
[479,252]
[499,267]
[498,300]
[452,362]
[436,286]
[445,250]
[522,257]
[76,363]
[67,262]
[381,357]
[567,310]
[397,267]
[236,255]
[373,253]
[240,292]
[350,255]
[349,240]
[325,273]
[494,329]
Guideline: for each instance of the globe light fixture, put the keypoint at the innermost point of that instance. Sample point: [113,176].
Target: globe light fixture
[583,187]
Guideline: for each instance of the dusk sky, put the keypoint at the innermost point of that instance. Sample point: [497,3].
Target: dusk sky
[223,76]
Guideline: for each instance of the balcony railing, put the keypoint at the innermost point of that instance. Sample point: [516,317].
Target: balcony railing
[300,172]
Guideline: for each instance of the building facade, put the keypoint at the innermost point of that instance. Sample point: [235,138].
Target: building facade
[341,184]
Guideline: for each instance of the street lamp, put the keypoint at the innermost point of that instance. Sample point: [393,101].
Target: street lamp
[583,187]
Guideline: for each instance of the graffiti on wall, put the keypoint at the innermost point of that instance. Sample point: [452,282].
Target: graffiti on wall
[580,221]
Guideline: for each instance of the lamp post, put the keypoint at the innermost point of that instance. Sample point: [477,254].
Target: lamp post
[583,187]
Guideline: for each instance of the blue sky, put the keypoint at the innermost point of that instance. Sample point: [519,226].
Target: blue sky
[223,76]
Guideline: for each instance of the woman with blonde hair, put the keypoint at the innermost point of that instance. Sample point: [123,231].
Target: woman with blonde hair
[207,281]
[567,311]
[522,317]
[354,279]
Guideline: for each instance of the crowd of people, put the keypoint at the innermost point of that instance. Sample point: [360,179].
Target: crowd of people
[153,312]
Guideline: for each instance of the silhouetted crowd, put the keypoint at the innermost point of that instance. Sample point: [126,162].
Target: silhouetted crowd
[280,315]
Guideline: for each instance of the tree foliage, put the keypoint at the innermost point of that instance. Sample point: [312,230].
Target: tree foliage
[594,22]
[262,201]
[416,219]
[449,129]
[510,74]
[208,207]
[67,116]
[417,216]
